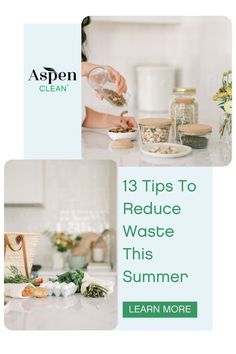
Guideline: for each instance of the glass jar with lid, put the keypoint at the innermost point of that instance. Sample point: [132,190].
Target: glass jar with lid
[102,82]
[183,108]
[195,135]
[154,130]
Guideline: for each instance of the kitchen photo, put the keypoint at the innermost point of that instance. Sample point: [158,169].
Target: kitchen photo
[157,90]
[60,245]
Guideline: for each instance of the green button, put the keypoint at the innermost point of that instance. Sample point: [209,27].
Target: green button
[160,309]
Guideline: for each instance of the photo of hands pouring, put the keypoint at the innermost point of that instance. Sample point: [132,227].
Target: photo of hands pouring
[152,115]
[60,245]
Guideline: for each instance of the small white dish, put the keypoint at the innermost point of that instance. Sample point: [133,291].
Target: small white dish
[122,136]
[183,150]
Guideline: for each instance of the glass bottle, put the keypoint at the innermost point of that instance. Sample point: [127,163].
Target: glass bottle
[183,108]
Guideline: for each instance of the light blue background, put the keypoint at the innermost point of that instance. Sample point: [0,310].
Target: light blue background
[52,126]
[189,251]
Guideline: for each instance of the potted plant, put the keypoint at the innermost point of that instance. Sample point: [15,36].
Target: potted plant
[65,243]
[75,259]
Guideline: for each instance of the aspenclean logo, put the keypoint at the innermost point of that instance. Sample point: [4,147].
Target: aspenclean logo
[50,79]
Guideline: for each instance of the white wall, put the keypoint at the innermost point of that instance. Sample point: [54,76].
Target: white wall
[83,192]
[198,47]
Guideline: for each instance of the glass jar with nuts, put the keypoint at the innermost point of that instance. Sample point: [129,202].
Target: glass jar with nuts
[183,108]
[154,130]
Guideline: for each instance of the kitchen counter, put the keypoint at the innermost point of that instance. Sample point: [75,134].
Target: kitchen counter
[71,313]
[96,144]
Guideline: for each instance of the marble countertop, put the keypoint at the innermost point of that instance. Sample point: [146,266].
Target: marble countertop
[96,144]
[74,312]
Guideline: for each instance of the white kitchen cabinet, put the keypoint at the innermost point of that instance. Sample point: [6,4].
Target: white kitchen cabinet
[23,182]
[139,19]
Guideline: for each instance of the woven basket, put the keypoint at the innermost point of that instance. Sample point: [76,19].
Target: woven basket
[19,251]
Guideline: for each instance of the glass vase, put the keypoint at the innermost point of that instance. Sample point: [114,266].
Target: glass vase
[225,128]
[59,260]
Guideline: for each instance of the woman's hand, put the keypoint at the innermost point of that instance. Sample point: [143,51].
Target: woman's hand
[99,120]
[125,122]
[115,76]
[119,80]
[86,67]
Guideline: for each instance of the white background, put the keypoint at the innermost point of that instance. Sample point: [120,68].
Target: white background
[222,337]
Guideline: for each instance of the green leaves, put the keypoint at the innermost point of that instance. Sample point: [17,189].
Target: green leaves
[75,277]
[95,290]
[62,248]
[17,277]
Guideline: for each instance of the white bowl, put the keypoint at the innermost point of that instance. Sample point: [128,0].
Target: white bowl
[122,136]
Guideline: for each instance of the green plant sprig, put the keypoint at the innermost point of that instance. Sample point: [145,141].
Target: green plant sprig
[95,290]
[75,277]
[17,277]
